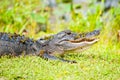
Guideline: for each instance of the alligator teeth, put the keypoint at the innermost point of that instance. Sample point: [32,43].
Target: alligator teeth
[82,40]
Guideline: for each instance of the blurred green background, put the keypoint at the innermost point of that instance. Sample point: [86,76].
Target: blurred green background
[51,16]
[39,18]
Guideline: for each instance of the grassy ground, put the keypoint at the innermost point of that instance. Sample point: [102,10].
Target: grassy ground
[100,62]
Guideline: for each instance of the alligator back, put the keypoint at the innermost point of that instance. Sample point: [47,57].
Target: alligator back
[15,44]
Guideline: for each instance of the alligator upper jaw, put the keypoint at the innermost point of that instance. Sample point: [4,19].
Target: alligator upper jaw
[83,40]
[79,44]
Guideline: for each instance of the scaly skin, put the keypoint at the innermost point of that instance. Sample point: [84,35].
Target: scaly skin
[60,43]
[15,45]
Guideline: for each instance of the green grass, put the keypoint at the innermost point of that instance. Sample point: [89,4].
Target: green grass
[100,62]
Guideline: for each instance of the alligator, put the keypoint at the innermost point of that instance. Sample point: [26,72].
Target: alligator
[61,43]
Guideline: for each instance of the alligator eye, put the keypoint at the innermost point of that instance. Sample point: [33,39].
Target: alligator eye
[68,33]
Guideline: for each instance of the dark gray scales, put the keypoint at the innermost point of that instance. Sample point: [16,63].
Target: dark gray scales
[58,44]
[15,44]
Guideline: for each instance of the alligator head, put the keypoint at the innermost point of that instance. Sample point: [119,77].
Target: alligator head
[67,41]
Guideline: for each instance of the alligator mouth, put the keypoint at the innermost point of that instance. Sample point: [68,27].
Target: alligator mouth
[87,37]
[83,40]
[79,44]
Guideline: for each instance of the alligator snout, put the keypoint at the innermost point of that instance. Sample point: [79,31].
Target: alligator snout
[90,34]
[86,37]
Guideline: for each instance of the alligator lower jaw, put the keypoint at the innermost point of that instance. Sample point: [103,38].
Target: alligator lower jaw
[79,44]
